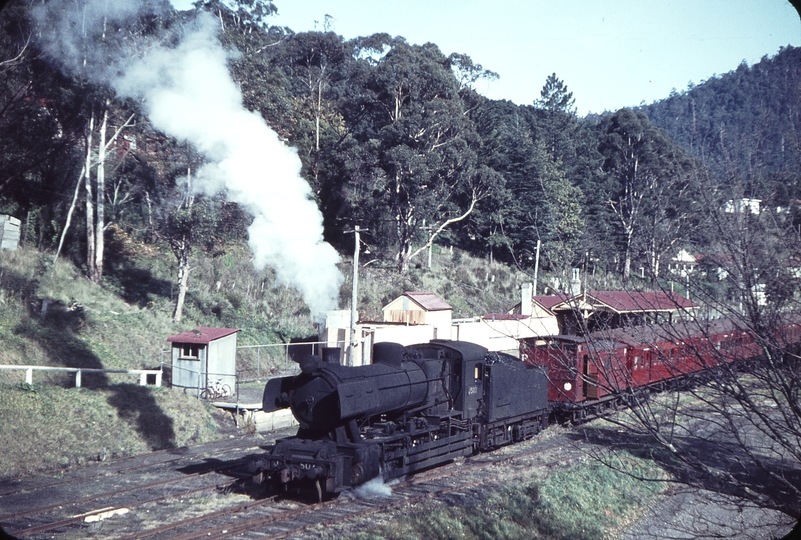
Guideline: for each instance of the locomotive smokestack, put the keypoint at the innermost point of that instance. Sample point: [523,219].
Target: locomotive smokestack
[331,355]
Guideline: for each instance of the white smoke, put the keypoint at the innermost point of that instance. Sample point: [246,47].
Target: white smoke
[188,93]
[374,488]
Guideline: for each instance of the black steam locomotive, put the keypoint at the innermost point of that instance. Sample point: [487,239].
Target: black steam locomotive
[414,408]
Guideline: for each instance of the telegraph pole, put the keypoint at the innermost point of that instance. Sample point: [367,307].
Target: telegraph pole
[536,268]
[354,296]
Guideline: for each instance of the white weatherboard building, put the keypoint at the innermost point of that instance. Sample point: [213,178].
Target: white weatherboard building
[419,317]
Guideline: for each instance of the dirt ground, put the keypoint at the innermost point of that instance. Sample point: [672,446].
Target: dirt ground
[691,513]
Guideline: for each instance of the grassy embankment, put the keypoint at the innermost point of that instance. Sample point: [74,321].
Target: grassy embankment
[50,315]
[587,500]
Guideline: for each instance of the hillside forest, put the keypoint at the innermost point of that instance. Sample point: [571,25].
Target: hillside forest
[393,138]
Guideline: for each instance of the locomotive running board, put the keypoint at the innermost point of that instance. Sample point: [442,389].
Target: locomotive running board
[430,454]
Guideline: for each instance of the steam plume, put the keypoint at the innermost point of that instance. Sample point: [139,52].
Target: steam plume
[183,82]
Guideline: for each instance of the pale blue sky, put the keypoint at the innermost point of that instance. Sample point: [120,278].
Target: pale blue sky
[610,53]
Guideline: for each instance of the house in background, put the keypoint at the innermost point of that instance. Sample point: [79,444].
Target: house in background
[416,308]
[683,264]
[413,317]
[532,317]
[743,206]
[203,356]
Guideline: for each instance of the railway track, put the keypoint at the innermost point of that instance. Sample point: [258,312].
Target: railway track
[15,487]
[275,519]
[58,504]
[189,497]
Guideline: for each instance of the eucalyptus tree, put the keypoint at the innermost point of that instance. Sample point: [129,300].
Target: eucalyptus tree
[424,171]
[645,185]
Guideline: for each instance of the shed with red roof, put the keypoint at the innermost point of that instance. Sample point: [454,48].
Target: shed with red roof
[413,308]
[203,358]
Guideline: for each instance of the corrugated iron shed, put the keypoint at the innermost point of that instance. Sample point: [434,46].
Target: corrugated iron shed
[9,232]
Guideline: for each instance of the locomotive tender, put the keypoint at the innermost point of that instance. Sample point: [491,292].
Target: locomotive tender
[414,408]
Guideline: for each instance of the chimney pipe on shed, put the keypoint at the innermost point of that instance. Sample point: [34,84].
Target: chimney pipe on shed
[527,291]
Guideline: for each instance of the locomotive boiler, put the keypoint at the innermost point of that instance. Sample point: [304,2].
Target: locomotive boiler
[414,408]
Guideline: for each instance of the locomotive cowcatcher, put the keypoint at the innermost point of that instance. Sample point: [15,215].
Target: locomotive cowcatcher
[414,408]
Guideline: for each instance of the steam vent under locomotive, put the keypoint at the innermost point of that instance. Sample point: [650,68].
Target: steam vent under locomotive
[414,408]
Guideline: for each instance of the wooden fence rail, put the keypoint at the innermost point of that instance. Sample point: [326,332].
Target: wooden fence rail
[143,373]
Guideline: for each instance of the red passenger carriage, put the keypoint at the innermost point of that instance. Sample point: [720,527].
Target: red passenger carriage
[601,369]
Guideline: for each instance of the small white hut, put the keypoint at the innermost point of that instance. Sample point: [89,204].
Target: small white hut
[203,356]
[9,232]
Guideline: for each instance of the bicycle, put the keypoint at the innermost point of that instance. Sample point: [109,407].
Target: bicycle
[215,390]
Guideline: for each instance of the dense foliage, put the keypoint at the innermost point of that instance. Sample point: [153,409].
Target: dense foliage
[393,138]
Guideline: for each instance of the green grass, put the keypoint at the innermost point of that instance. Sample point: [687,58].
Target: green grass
[585,501]
[46,427]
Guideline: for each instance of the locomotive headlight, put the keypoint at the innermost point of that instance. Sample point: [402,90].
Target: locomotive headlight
[568,387]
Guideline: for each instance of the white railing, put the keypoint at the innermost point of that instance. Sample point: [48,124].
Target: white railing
[143,373]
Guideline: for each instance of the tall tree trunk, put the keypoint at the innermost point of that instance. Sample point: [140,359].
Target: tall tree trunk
[90,209]
[627,256]
[84,175]
[182,250]
[99,204]
[183,280]
[318,113]
[69,216]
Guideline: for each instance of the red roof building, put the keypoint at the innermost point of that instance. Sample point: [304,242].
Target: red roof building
[597,310]
[637,302]
[600,310]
